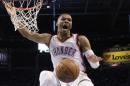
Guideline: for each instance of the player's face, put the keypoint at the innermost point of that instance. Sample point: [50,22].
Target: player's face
[64,23]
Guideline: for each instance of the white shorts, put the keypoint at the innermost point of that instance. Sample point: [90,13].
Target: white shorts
[48,78]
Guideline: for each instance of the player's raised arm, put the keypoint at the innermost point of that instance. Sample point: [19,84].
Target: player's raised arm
[36,37]
[86,47]
[20,26]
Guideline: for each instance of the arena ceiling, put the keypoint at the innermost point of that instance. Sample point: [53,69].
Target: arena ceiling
[90,7]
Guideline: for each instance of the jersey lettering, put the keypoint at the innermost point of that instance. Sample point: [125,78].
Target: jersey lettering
[63,50]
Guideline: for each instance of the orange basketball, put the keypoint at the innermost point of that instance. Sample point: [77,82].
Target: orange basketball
[67,70]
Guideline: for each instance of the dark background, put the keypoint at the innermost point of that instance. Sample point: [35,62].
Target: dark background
[105,22]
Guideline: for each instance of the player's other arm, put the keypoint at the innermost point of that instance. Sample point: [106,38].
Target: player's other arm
[86,48]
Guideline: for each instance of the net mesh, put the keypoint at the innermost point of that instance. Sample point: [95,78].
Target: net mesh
[26,12]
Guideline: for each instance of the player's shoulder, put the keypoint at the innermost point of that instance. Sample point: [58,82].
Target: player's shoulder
[78,35]
[82,40]
[81,37]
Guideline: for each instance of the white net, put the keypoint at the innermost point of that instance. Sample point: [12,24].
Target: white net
[26,12]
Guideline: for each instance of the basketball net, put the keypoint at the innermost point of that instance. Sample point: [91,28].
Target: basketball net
[26,12]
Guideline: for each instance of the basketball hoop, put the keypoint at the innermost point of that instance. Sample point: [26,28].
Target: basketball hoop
[26,13]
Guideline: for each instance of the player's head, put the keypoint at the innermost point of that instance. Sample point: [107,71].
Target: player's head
[64,22]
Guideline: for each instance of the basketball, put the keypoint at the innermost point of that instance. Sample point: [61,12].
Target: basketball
[67,70]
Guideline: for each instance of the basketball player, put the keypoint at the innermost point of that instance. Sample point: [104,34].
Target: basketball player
[63,45]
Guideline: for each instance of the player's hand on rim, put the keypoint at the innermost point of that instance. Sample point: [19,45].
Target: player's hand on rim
[10,9]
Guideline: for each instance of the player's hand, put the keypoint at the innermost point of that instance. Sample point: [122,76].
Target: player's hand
[95,58]
[99,58]
[10,9]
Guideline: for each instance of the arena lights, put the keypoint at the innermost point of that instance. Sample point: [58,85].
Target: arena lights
[3,58]
[48,6]
[43,47]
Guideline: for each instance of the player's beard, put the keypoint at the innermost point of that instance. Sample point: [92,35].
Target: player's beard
[64,32]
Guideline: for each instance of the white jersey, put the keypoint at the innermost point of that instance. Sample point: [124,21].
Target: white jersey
[66,49]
